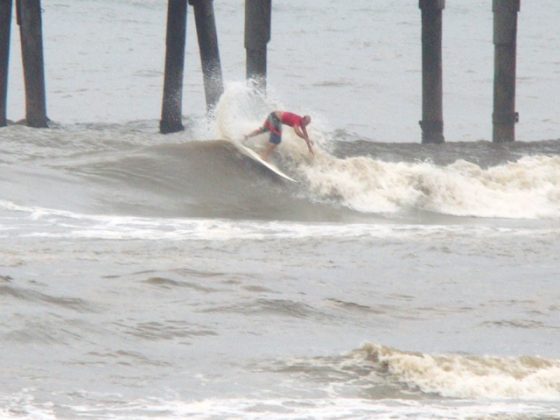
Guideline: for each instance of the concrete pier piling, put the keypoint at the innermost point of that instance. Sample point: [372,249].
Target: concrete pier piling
[257,36]
[505,46]
[432,85]
[171,117]
[5,28]
[30,24]
[209,50]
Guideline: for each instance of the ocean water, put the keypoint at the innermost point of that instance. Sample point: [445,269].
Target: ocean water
[150,276]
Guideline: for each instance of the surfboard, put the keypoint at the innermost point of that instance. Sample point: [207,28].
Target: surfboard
[253,155]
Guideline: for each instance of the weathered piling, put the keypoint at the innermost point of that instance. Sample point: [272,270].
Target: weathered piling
[432,85]
[257,36]
[209,50]
[505,45]
[31,33]
[5,27]
[171,119]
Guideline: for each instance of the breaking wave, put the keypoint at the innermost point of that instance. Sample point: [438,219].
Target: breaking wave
[132,171]
[473,377]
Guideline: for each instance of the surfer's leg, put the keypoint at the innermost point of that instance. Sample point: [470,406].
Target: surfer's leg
[265,127]
[256,132]
[275,139]
[267,151]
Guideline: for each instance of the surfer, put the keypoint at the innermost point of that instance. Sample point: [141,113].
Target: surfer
[273,123]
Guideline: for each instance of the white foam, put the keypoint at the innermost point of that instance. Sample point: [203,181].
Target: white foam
[54,223]
[291,408]
[23,405]
[526,189]
[473,377]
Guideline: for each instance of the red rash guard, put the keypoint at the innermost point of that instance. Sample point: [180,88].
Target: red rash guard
[291,119]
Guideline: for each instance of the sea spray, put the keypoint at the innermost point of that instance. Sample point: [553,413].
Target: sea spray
[242,109]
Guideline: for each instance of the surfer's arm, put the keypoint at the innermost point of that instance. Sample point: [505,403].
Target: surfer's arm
[302,132]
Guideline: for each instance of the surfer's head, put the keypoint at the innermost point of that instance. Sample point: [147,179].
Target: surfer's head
[305,120]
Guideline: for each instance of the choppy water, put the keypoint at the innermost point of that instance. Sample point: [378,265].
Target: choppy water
[150,276]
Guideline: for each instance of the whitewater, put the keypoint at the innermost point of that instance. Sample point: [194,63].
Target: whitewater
[169,276]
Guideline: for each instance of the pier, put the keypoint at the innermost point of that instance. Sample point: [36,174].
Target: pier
[505,46]
[5,29]
[171,113]
[257,35]
[432,84]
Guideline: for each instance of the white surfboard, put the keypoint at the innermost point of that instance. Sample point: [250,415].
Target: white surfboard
[253,155]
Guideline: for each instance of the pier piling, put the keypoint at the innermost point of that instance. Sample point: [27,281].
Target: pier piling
[432,85]
[30,24]
[171,118]
[5,28]
[505,45]
[209,50]
[257,36]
